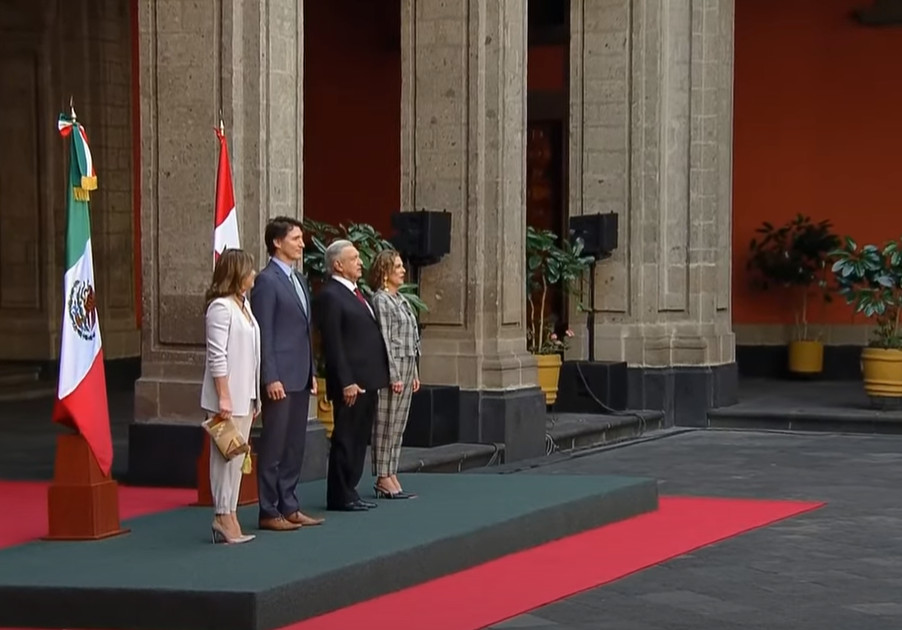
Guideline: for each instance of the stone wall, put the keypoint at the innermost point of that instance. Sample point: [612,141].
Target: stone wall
[651,90]
[243,57]
[463,151]
[49,52]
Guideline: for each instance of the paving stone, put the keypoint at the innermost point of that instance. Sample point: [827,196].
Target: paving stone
[837,567]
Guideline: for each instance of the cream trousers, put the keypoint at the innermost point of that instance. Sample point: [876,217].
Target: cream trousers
[225,475]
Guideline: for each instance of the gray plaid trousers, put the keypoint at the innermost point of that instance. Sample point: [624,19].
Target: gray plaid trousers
[388,429]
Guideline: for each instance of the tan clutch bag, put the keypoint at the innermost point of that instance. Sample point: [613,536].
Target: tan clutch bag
[224,434]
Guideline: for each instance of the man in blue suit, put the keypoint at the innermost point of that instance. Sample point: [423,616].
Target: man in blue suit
[280,301]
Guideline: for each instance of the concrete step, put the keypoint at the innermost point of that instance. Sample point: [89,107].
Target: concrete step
[571,432]
[793,418]
[15,375]
[451,458]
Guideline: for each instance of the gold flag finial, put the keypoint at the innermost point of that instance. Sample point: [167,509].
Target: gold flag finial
[221,125]
[72,107]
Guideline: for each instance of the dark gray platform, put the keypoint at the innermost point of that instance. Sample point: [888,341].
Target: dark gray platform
[166,574]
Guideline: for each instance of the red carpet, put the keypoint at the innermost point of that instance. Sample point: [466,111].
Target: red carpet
[30,499]
[515,584]
[494,591]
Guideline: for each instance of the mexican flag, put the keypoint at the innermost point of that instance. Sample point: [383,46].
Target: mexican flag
[225,215]
[81,396]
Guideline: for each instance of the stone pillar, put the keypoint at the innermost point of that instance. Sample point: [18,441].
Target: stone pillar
[463,150]
[245,58]
[651,119]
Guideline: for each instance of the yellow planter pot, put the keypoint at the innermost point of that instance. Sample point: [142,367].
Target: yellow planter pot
[549,370]
[882,371]
[806,357]
[324,407]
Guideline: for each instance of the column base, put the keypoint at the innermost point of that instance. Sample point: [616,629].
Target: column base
[434,418]
[582,385]
[165,454]
[684,394]
[514,417]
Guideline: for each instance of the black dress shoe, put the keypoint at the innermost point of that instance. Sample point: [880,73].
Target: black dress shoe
[353,506]
[366,504]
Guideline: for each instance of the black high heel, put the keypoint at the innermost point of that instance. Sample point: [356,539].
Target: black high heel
[385,494]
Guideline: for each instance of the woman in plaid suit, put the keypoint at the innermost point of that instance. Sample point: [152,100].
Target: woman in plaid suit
[402,341]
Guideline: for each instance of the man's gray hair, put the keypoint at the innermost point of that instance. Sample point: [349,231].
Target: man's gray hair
[333,253]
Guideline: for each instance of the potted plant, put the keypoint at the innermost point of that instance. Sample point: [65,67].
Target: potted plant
[369,243]
[794,257]
[870,279]
[549,264]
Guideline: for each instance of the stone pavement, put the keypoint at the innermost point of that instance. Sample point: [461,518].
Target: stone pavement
[839,567]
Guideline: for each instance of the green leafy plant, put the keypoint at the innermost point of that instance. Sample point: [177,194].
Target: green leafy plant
[870,279]
[368,242]
[550,264]
[794,256]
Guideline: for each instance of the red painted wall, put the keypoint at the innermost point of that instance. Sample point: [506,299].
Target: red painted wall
[817,130]
[546,68]
[352,111]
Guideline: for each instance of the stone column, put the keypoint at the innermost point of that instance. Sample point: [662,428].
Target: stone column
[463,150]
[245,58]
[651,119]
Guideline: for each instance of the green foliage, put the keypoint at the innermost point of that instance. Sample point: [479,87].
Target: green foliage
[549,264]
[793,256]
[870,279]
[367,241]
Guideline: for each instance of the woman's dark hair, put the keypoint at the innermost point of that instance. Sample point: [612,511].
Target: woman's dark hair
[382,266]
[277,229]
[233,266]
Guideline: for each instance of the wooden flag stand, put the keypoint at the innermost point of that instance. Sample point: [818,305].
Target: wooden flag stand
[247,493]
[82,502]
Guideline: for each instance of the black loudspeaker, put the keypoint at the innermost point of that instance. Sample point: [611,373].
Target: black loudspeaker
[423,237]
[597,231]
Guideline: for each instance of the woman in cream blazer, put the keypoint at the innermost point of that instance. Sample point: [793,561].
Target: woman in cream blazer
[231,386]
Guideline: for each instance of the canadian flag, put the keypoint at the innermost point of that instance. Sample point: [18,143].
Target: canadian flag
[225,222]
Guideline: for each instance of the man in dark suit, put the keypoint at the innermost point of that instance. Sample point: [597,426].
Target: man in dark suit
[281,303]
[356,369]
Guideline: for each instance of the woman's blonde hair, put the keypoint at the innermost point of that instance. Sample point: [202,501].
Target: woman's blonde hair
[233,266]
[382,266]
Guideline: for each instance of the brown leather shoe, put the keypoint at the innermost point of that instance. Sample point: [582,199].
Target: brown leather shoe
[299,518]
[278,524]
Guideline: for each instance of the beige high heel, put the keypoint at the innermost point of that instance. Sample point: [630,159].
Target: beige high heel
[220,537]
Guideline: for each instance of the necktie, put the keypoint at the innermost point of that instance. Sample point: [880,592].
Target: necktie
[360,297]
[299,291]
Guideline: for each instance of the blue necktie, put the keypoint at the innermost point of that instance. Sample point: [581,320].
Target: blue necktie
[300,292]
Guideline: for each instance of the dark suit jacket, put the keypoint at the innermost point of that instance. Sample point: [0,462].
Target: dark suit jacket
[352,341]
[285,331]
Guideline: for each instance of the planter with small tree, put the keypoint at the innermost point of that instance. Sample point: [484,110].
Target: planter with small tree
[549,264]
[870,279]
[793,257]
